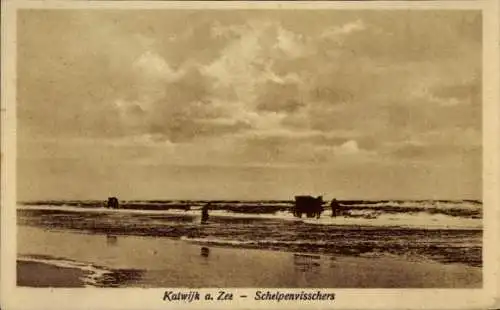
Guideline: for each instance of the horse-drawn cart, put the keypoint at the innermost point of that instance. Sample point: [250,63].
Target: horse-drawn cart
[311,206]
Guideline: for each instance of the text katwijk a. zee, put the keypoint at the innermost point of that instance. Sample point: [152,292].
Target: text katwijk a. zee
[269,296]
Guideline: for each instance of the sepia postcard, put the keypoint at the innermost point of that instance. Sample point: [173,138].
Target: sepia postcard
[250,155]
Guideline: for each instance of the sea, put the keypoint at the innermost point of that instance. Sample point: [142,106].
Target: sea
[444,231]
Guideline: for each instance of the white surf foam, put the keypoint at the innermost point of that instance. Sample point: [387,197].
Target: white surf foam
[375,218]
[414,220]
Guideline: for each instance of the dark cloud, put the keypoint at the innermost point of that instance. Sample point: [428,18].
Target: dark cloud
[181,128]
[468,92]
[277,97]
[331,94]
[431,153]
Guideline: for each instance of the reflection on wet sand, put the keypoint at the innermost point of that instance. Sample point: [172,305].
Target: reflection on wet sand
[205,251]
[306,262]
[111,240]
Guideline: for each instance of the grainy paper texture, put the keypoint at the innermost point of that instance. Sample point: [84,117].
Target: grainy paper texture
[249,155]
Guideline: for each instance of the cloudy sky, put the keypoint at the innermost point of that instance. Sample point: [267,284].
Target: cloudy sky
[260,104]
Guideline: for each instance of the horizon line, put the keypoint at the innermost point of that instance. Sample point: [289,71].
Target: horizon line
[249,200]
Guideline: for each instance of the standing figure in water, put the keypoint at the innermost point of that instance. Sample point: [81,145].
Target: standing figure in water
[204,213]
[335,207]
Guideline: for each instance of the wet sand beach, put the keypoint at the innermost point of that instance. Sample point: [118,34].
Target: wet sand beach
[138,261]
[38,274]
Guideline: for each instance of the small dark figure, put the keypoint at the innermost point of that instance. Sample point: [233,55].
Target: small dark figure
[204,213]
[205,251]
[335,207]
[113,203]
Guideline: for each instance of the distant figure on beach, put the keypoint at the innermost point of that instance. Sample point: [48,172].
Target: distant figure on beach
[113,203]
[204,213]
[335,207]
